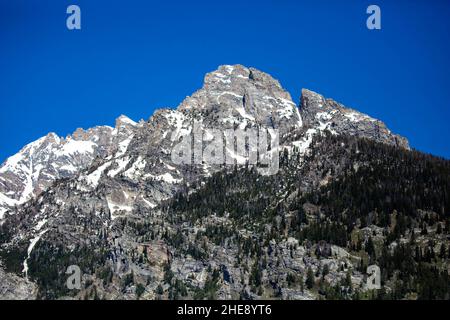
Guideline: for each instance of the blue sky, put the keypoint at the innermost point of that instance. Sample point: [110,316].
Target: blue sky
[132,57]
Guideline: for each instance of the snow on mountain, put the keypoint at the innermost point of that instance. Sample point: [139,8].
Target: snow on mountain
[322,114]
[128,170]
[231,97]
[34,168]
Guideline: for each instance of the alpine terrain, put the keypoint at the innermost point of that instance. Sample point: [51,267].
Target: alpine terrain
[348,194]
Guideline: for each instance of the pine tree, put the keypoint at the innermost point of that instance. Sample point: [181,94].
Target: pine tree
[140,289]
[439,229]
[325,270]
[159,290]
[309,278]
[442,252]
[348,279]
[302,284]
[255,276]
[370,248]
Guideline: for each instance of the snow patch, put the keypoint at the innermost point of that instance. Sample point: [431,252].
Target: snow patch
[68,167]
[75,146]
[125,119]
[166,177]
[4,200]
[93,178]
[33,243]
[150,204]
[40,224]
[2,212]
[121,164]
[244,114]
[123,146]
[116,208]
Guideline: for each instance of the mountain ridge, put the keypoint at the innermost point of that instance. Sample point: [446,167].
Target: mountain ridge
[38,164]
[231,94]
[134,181]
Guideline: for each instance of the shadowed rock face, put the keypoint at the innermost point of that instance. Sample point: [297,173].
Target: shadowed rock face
[128,171]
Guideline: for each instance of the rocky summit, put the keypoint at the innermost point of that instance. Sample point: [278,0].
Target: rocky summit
[349,193]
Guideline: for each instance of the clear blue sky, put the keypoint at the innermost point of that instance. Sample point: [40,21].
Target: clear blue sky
[133,57]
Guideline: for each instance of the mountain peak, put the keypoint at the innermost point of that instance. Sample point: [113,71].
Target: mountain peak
[237,94]
[124,120]
[320,114]
[309,97]
[227,75]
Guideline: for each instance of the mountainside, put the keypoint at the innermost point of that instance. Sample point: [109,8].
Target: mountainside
[325,114]
[39,164]
[139,223]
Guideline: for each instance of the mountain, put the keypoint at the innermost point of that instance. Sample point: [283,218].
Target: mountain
[319,113]
[231,97]
[140,223]
[39,164]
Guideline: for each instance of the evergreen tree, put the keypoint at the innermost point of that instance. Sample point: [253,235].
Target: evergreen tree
[310,278]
